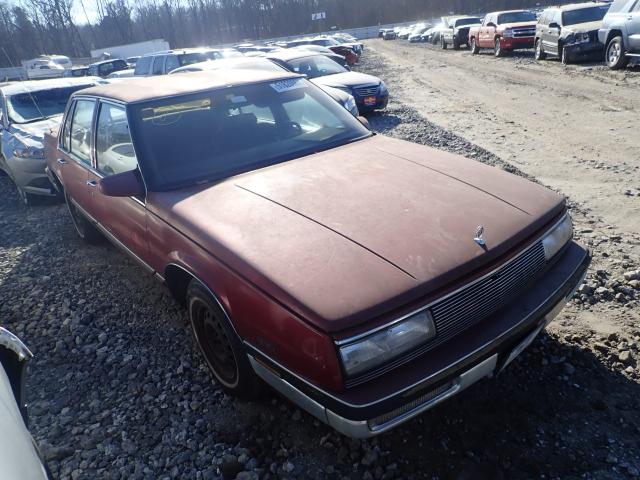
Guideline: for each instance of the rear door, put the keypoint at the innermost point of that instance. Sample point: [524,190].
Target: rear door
[123,218]
[74,150]
[633,28]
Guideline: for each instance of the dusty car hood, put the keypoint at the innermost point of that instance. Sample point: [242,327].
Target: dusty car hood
[350,233]
[582,27]
[347,79]
[32,134]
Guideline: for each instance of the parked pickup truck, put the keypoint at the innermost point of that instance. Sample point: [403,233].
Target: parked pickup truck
[504,31]
[620,33]
[457,31]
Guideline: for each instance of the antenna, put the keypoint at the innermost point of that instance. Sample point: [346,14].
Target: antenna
[25,89]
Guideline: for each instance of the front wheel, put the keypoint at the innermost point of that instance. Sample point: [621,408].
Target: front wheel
[497,49]
[473,46]
[540,54]
[456,43]
[443,44]
[615,55]
[219,344]
[565,56]
[27,199]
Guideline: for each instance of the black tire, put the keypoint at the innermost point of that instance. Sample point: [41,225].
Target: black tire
[565,57]
[219,344]
[540,53]
[615,54]
[27,199]
[473,46]
[497,48]
[456,43]
[443,43]
[84,228]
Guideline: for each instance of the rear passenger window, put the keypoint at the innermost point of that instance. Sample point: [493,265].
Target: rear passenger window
[171,63]
[158,64]
[114,150]
[142,66]
[80,140]
[637,7]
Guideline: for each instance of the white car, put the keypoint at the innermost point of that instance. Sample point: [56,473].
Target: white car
[258,63]
[121,73]
[19,455]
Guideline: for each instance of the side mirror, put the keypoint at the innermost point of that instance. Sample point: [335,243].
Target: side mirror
[125,184]
[364,122]
[554,25]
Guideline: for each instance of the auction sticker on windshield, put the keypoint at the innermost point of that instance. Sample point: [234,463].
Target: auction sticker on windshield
[286,85]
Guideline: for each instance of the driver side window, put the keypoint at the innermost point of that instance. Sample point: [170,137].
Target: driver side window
[114,149]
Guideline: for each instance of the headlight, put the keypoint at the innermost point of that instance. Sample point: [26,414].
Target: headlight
[388,343]
[508,33]
[351,106]
[571,38]
[28,152]
[558,237]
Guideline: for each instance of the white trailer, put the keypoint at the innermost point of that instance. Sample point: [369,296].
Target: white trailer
[132,49]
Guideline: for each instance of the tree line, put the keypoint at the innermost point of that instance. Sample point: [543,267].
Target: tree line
[35,27]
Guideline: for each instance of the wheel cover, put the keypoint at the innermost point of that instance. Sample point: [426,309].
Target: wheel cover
[614,52]
[214,343]
[497,48]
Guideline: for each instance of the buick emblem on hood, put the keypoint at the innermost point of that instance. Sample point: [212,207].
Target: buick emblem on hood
[478,238]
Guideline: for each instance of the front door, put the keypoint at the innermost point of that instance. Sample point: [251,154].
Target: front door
[633,28]
[123,218]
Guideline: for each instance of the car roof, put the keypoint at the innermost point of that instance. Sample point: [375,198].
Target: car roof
[36,85]
[579,6]
[181,51]
[509,11]
[142,89]
[109,60]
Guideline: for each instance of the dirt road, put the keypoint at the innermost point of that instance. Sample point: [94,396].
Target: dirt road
[574,128]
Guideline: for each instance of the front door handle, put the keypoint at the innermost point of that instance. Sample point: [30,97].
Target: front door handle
[92,183]
[61,161]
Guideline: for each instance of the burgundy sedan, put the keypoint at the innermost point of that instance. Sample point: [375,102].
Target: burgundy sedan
[365,278]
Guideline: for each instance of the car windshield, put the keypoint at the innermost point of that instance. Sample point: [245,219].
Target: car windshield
[467,21]
[325,42]
[26,107]
[196,57]
[584,15]
[60,61]
[204,137]
[515,17]
[315,66]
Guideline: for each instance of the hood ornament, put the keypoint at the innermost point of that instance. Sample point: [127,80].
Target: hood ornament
[478,238]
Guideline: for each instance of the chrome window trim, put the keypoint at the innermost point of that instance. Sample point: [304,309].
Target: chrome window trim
[423,380]
[355,338]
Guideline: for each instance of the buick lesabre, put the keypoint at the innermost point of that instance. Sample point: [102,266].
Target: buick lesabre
[365,278]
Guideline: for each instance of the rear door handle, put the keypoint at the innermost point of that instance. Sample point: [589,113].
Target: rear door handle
[92,183]
[61,161]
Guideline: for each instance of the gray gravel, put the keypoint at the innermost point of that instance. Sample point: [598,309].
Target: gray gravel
[118,391]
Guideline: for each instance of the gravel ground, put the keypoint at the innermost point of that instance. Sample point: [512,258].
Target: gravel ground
[118,390]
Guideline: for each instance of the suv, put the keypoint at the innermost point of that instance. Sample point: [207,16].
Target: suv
[161,63]
[620,33]
[457,31]
[569,31]
[504,31]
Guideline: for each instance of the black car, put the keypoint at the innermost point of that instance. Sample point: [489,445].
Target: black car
[76,72]
[369,92]
[105,67]
[457,33]
[570,31]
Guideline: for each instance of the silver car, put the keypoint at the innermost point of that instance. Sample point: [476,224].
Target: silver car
[19,456]
[28,110]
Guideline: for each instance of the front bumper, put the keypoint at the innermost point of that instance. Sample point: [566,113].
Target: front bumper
[381,103]
[29,175]
[515,43]
[585,48]
[383,404]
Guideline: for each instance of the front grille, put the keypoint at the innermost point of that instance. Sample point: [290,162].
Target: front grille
[381,420]
[473,303]
[524,32]
[366,91]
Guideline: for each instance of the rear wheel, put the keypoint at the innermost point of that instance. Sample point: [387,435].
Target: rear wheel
[540,53]
[85,229]
[497,49]
[473,46]
[615,55]
[219,344]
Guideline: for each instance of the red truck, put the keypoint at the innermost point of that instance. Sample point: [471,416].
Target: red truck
[504,31]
